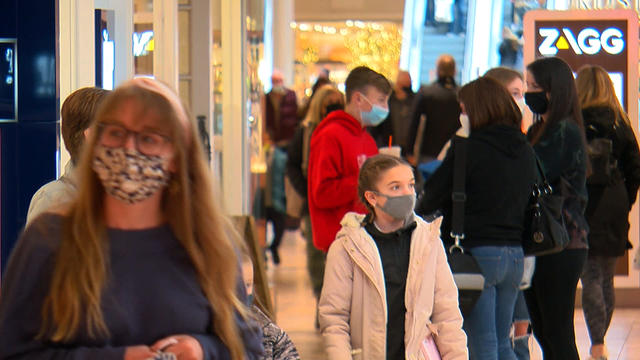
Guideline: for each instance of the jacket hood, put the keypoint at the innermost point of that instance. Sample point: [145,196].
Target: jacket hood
[507,139]
[344,119]
[599,114]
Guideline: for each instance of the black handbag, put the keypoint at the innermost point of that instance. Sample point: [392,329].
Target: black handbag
[545,231]
[466,271]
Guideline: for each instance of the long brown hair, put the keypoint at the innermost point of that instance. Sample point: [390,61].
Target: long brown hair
[487,102]
[555,77]
[318,103]
[81,267]
[595,88]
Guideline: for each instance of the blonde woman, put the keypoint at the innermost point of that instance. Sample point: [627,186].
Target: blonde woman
[142,264]
[326,99]
[610,199]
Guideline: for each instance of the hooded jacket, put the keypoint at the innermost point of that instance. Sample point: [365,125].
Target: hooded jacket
[609,205]
[353,312]
[339,147]
[500,174]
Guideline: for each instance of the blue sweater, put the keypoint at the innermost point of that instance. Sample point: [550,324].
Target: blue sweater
[152,292]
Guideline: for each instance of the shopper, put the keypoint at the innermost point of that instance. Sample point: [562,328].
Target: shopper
[281,119]
[500,172]
[514,82]
[276,342]
[557,136]
[396,126]
[339,146]
[77,113]
[388,290]
[438,104]
[143,261]
[326,100]
[612,187]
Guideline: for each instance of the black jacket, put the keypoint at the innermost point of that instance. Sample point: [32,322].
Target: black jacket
[439,104]
[500,173]
[561,150]
[609,205]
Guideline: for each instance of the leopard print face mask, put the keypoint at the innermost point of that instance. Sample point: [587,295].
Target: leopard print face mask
[128,175]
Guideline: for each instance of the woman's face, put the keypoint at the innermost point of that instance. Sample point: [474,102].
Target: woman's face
[532,85]
[516,88]
[130,128]
[397,181]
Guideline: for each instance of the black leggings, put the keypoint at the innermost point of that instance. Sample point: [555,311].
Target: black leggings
[598,298]
[551,302]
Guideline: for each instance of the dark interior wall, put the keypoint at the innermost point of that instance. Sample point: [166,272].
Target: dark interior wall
[29,146]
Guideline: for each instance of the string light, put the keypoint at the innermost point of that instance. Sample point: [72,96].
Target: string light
[376,45]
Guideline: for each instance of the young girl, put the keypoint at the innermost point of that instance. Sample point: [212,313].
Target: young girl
[388,291]
[142,264]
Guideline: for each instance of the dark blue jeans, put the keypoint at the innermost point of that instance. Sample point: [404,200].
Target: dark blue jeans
[489,323]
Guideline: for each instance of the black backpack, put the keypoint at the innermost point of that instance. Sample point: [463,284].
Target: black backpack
[600,152]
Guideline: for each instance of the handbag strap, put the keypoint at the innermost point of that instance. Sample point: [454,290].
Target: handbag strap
[545,187]
[458,194]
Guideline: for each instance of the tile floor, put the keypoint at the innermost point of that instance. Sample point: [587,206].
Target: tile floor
[295,309]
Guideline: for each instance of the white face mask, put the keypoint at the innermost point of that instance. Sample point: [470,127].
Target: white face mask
[464,124]
[521,104]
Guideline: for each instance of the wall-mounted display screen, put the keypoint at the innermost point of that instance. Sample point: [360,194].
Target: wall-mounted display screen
[8,80]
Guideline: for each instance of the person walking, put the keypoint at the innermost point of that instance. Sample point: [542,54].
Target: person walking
[388,291]
[514,82]
[326,100]
[500,172]
[339,146]
[142,264]
[558,138]
[612,187]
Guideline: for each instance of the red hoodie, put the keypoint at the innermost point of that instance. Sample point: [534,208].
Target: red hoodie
[339,147]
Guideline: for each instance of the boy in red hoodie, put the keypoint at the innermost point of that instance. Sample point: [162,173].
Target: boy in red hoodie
[339,146]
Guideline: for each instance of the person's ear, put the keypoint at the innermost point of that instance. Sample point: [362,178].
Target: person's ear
[370,196]
[86,133]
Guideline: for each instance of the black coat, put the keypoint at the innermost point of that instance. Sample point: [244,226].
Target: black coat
[609,205]
[500,173]
[439,104]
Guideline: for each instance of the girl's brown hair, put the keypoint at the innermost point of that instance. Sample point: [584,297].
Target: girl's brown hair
[487,102]
[370,174]
[81,269]
[595,88]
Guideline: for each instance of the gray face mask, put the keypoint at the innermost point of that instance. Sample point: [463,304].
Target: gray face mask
[399,207]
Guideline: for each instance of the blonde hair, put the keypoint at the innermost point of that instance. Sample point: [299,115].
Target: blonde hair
[316,107]
[595,88]
[81,266]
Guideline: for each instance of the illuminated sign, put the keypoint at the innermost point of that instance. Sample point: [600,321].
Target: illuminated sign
[584,38]
[142,43]
[589,41]
[8,80]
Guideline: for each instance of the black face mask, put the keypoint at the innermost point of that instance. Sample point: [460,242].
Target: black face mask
[333,107]
[537,101]
[407,89]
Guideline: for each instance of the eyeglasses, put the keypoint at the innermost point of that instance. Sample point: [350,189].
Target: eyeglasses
[147,142]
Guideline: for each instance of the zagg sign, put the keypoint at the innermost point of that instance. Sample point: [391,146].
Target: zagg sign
[589,41]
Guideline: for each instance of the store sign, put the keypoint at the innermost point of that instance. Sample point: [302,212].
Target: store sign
[8,80]
[589,41]
[584,38]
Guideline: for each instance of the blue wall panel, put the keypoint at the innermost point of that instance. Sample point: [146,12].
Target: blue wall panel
[29,145]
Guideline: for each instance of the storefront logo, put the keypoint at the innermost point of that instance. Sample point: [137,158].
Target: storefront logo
[589,41]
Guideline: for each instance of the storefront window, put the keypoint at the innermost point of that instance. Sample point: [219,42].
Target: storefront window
[143,43]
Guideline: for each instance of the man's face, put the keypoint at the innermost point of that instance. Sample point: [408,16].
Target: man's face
[404,79]
[372,96]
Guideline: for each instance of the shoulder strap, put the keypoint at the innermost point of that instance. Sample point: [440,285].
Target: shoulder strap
[458,194]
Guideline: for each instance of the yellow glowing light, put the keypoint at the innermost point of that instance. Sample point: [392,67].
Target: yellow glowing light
[304,27]
[293,25]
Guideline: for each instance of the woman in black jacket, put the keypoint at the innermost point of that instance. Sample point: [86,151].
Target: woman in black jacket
[558,138]
[612,188]
[500,171]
